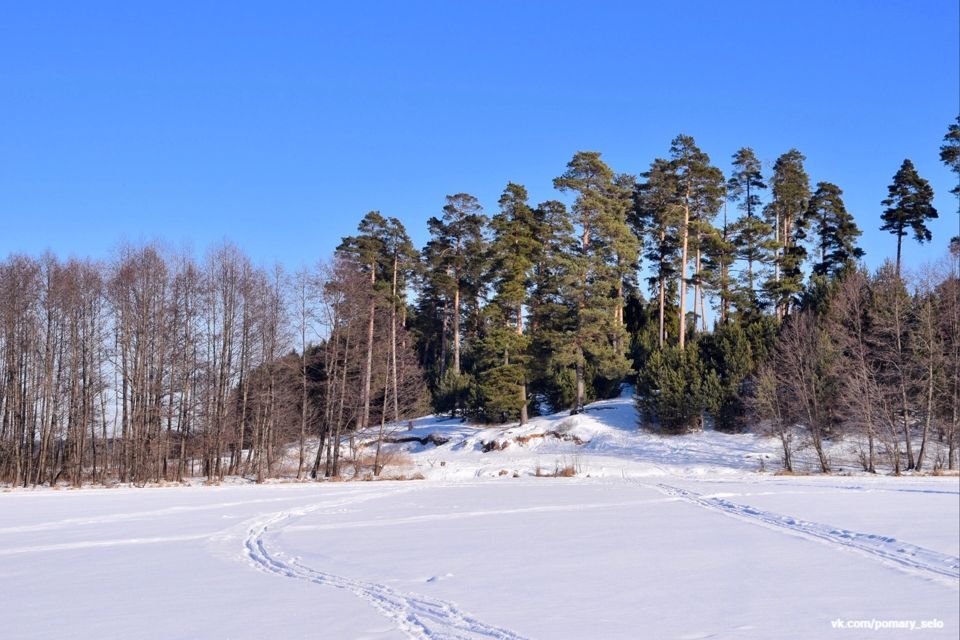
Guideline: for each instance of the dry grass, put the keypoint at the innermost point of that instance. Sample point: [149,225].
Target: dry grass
[559,471]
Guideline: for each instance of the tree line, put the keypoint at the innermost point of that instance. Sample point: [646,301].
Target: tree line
[723,298]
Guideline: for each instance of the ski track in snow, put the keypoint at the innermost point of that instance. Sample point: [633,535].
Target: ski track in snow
[112,518]
[417,616]
[910,557]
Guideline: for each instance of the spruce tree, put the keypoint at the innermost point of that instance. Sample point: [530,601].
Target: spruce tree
[752,237]
[835,232]
[606,244]
[909,207]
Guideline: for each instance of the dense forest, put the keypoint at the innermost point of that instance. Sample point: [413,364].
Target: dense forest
[729,301]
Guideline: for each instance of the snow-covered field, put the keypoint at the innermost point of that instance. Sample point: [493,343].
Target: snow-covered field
[653,538]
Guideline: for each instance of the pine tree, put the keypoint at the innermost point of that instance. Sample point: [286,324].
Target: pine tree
[950,152]
[752,237]
[728,353]
[625,246]
[553,319]
[454,265]
[600,211]
[675,389]
[657,217]
[402,258]
[721,254]
[513,250]
[790,191]
[708,198]
[909,204]
[368,250]
[950,156]
[698,194]
[835,230]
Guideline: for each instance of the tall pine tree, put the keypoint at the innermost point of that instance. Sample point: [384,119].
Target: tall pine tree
[658,217]
[835,232]
[513,252]
[455,262]
[909,207]
[368,250]
[790,191]
[600,212]
[695,178]
[752,237]
[553,318]
[950,156]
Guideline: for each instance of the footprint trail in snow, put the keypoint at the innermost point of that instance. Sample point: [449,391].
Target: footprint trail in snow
[901,554]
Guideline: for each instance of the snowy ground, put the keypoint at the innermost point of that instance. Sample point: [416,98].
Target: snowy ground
[666,538]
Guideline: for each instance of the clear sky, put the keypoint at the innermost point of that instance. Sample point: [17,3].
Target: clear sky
[279,124]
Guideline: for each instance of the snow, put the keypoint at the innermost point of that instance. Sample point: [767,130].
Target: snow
[603,441]
[655,537]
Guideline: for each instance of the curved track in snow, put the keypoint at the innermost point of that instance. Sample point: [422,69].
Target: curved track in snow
[932,564]
[417,616]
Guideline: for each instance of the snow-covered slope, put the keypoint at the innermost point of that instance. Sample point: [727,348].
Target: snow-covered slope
[603,441]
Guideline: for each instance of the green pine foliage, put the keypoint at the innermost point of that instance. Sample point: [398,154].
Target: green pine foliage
[675,389]
[552,318]
[657,219]
[835,232]
[950,156]
[950,152]
[909,206]
[752,236]
[607,245]
[728,354]
[790,191]
[503,351]
[538,308]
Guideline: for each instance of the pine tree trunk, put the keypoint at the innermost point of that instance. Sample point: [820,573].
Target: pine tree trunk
[724,275]
[456,330]
[683,270]
[393,342]
[699,293]
[581,385]
[523,385]
[662,295]
[899,246]
[365,416]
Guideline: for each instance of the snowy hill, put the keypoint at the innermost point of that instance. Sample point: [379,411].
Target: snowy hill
[603,441]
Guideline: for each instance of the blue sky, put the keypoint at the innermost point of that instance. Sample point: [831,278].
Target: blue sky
[278,125]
